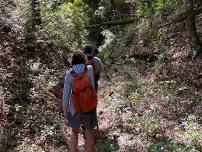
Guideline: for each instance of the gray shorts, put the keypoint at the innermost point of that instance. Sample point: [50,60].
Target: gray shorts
[87,120]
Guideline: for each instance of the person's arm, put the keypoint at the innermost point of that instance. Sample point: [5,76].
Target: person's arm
[66,93]
[98,64]
[91,74]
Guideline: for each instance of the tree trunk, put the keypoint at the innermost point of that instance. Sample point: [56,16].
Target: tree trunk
[32,25]
[191,29]
[36,16]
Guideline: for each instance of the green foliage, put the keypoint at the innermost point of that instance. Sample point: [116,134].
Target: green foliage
[108,145]
[165,4]
[144,9]
[116,39]
[191,133]
[103,10]
[162,146]
[65,26]
[107,10]
[170,145]
[104,56]
[105,50]
[62,22]
[157,33]
[151,8]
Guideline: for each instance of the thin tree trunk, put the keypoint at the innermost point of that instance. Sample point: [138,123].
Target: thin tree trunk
[32,25]
[36,16]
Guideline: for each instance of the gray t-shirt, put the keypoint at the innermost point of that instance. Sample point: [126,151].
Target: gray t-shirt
[98,65]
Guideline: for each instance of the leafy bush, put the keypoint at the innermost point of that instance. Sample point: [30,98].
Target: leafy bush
[62,22]
[144,10]
[65,26]
[151,8]
[116,39]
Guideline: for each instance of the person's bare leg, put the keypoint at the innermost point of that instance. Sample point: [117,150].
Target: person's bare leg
[74,139]
[89,141]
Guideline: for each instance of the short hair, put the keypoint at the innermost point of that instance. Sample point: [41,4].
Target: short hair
[88,50]
[78,58]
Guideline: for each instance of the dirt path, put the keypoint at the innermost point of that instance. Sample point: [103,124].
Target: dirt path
[110,137]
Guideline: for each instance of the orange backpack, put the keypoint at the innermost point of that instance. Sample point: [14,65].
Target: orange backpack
[83,94]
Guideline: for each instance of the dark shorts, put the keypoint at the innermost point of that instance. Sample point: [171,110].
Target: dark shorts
[87,120]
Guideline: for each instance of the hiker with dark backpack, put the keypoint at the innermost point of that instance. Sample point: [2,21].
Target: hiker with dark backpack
[80,101]
[96,63]
[93,60]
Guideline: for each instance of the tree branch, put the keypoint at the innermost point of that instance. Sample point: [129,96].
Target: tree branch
[115,22]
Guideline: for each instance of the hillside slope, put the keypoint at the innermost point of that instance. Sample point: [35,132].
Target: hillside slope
[155,91]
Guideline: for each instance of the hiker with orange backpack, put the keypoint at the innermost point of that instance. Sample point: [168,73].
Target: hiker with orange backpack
[80,101]
[93,60]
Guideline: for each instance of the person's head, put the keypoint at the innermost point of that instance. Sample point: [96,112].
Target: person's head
[88,51]
[78,58]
